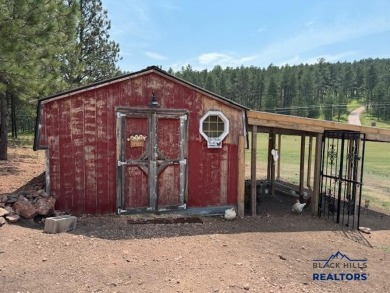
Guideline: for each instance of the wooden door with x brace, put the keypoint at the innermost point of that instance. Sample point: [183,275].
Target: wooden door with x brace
[151,159]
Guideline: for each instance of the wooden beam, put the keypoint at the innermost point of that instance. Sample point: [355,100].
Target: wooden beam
[271,161]
[285,125]
[269,157]
[253,170]
[302,168]
[241,177]
[308,179]
[279,152]
[317,175]
[313,125]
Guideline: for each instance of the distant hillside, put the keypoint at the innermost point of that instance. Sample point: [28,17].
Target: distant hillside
[322,90]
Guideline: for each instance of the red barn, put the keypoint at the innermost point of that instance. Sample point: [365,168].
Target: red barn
[138,142]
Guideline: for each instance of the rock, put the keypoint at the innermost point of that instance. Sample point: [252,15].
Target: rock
[22,196]
[12,218]
[3,198]
[2,221]
[365,230]
[58,213]
[3,212]
[12,198]
[25,209]
[42,193]
[10,210]
[45,206]
[246,287]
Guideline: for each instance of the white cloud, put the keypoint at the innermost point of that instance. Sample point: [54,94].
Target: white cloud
[331,58]
[211,59]
[155,55]
[316,37]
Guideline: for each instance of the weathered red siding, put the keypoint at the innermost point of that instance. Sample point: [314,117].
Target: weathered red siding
[79,131]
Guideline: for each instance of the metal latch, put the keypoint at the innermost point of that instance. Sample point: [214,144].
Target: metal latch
[120,164]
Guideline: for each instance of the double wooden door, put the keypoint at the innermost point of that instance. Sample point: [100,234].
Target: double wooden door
[151,159]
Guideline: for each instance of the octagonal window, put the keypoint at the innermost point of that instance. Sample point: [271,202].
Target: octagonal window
[214,127]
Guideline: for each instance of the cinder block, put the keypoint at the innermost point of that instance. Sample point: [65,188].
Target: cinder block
[60,224]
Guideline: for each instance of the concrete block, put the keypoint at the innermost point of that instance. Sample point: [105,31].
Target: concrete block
[60,224]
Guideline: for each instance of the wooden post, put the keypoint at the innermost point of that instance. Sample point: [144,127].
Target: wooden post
[269,157]
[308,180]
[272,162]
[253,170]
[241,177]
[317,175]
[279,152]
[302,168]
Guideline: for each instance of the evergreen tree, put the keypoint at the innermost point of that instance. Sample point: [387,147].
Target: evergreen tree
[33,33]
[93,56]
[271,99]
[371,81]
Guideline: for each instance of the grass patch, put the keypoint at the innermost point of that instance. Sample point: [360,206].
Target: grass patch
[369,120]
[354,104]
[25,139]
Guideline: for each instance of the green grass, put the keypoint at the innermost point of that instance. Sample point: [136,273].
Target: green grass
[354,104]
[368,120]
[24,139]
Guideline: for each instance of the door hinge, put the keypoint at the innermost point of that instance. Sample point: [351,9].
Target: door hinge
[183,117]
[119,115]
[120,211]
[121,163]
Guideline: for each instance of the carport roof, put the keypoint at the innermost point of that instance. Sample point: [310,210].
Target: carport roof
[298,125]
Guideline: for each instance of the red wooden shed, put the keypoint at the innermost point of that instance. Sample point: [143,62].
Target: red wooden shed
[142,141]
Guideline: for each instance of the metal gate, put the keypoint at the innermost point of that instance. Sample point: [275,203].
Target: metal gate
[341,177]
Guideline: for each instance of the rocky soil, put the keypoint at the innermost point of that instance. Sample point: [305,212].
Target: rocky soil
[272,252]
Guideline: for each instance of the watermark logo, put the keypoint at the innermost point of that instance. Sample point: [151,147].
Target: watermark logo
[340,267]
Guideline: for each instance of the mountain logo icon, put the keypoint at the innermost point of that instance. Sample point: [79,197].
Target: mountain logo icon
[338,256]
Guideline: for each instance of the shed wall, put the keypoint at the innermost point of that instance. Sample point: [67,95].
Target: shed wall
[79,131]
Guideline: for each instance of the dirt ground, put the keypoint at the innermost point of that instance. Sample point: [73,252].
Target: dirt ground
[272,252]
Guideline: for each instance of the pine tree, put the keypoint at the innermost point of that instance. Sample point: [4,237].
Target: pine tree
[93,56]
[33,33]
[271,98]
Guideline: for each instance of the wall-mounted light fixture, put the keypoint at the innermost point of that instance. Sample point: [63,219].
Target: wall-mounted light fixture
[153,102]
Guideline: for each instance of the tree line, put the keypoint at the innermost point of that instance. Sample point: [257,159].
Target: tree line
[321,90]
[49,46]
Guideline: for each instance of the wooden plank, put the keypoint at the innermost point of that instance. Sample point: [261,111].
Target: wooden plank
[317,177]
[309,162]
[253,170]
[120,144]
[285,125]
[313,125]
[272,140]
[279,153]
[241,177]
[302,167]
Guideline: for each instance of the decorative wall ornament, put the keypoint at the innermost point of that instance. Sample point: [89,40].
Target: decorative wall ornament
[137,140]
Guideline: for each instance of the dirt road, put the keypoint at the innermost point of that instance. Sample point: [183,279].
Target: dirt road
[354,116]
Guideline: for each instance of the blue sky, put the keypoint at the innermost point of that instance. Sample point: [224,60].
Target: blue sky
[205,33]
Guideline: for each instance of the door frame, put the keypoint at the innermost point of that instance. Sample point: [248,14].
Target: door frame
[152,169]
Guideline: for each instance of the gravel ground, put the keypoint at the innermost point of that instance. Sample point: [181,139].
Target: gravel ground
[272,252]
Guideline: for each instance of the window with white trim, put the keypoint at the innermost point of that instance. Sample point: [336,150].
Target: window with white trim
[214,127]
